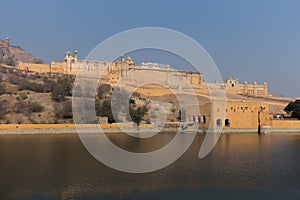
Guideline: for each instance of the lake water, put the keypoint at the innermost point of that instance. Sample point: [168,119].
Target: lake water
[241,166]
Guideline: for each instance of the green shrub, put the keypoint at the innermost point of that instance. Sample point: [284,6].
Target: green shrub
[105,111]
[137,114]
[2,89]
[13,79]
[103,90]
[10,61]
[21,107]
[293,108]
[64,110]
[61,88]
[48,85]
[33,86]
[3,104]
[67,110]
[35,107]
[23,95]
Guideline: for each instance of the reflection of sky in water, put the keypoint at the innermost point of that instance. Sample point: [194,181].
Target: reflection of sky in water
[58,167]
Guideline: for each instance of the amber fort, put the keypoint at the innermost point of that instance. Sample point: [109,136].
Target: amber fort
[114,71]
[241,113]
[246,102]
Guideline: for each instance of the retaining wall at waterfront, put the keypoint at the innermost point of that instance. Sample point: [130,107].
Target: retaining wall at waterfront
[278,126]
[285,124]
[68,126]
[63,128]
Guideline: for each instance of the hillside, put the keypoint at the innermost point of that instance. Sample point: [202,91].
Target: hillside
[10,54]
[27,98]
[32,98]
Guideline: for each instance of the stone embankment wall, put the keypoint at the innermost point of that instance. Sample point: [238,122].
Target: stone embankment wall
[286,124]
[62,128]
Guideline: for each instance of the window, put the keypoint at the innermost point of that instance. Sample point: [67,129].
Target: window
[182,115]
[227,122]
[219,122]
[203,119]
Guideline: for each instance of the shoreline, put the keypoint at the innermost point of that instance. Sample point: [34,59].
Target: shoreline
[54,129]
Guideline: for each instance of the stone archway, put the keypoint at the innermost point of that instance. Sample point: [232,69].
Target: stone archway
[227,122]
[219,122]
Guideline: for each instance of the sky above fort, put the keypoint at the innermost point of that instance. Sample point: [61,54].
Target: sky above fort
[250,40]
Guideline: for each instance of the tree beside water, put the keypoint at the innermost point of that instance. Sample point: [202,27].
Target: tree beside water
[293,108]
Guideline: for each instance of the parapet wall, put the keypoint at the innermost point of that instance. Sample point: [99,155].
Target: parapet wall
[285,124]
[280,126]
[234,87]
[64,126]
[39,68]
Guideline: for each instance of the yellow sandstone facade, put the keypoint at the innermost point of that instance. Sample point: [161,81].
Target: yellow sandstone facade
[33,67]
[238,116]
[238,113]
[234,87]
[113,71]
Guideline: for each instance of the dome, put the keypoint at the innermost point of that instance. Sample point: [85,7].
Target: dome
[68,53]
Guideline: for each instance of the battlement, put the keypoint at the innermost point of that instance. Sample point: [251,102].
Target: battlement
[113,71]
[234,87]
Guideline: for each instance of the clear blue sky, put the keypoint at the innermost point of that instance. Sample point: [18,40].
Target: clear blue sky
[251,40]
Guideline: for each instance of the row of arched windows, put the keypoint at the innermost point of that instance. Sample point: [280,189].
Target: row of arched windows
[219,122]
[198,119]
[202,119]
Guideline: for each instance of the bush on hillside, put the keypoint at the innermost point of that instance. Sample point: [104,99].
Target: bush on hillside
[103,90]
[2,108]
[10,61]
[23,95]
[64,110]
[13,79]
[47,85]
[35,107]
[61,88]
[33,86]
[67,110]
[2,89]
[20,107]
[104,110]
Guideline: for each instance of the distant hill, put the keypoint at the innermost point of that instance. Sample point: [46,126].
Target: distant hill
[11,55]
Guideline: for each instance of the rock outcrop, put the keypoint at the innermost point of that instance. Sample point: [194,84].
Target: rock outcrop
[11,55]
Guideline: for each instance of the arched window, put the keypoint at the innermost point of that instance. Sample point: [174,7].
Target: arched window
[182,115]
[219,122]
[227,122]
[199,119]
[203,119]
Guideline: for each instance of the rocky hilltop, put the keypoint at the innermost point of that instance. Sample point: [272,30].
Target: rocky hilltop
[11,55]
